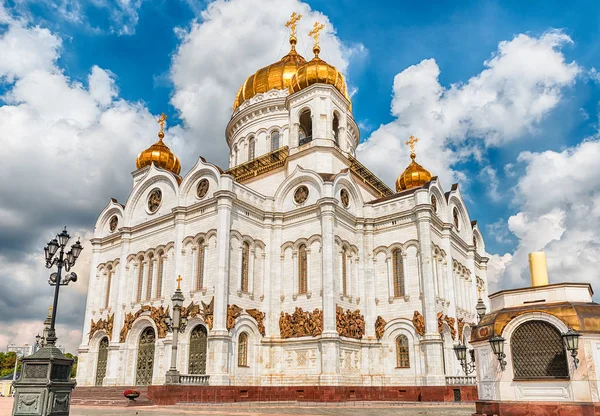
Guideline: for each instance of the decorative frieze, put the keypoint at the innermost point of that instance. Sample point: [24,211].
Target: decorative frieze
[259,317]
[233,312]
[301,324]
[157,314]
[350,324]
[461,326]
[380,327]
[449,320]
[102,324]
[419,323]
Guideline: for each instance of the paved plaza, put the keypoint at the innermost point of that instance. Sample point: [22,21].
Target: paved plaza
[366,409]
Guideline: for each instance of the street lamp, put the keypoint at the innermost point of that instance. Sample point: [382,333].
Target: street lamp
[461,354]
[480,308]
[63,260]
[175,325]
[497,343]
[571,338]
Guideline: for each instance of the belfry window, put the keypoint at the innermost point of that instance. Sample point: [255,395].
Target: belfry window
[251,148]
[305,128]
[243,350]
[402,353]
[150,273]
[140,282]
[200,266]
[398,270]
[159,275]
[108,282]
[336,128]
[274,140]
[302,270]
[245,254]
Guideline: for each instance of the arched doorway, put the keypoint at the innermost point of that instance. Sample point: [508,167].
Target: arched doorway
[197,358]
[145,358]
[102,359]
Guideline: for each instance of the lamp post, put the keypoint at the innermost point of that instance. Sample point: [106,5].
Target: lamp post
[461,354]
[571,338]
[480,308]
[62,260]
[497,343]
[176,325]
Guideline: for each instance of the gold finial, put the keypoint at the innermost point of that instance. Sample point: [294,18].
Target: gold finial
[412,142]
[161,122]
[314,33]
[179,279]
[292,25]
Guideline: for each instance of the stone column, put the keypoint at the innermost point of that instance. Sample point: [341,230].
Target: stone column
[194,273]
[390,278]
[330,337]
[432,342]
[219,338]
[296,274]
[152,289]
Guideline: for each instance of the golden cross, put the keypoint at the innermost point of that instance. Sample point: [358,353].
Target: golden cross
[314,33]
[161,122]
[412,142]
[179,279]
[292,23]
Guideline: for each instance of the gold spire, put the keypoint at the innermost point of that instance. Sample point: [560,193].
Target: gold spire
[414,175]
[291,24]
[159,153]
[314,33]
[179,279]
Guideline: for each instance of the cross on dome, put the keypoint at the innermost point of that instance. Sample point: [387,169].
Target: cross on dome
[161,123]
[314,33]
[412,142]
[294,18]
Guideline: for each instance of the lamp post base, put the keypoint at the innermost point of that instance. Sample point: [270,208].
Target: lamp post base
[45,386]
[173,377]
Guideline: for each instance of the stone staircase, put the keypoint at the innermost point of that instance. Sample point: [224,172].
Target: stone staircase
[108,396]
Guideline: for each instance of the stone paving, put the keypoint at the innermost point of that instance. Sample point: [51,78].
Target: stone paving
[301,409]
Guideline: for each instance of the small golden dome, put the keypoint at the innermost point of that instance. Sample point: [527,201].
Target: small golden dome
[159,153]
[317,71]
[275,76]
[414,175]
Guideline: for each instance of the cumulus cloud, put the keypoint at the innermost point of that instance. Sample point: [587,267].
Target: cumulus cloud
[229,42]
[522,81]
[559,200]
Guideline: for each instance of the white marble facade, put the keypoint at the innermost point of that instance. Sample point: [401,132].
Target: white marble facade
[442,259]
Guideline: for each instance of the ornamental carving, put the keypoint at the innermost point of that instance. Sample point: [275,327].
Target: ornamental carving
[202,188]
[301,194]
[350,324]
[345,198]
[157,314]
[233,312]
[461,327]
[205,312]
[380,327]
[154,200]
[114,221]
[259,317]
[103,324]
[419,323]
[449,320]
[301,324]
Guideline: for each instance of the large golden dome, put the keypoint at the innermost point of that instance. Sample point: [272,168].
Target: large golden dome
[159,154]
[275,76]
[414,175]
[317,71]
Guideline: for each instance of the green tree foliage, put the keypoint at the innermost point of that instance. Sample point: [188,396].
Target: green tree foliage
[7,363]
[74,368]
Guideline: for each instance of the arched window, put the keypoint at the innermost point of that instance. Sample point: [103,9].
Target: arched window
[159,274]
[251,148]
[150,272]
[456,218]
[305,129]
[140,282]
[302,270]
[538,352]
[344,278]
[274,140]
[108,282]
[243,350]
[398,269]
[200,266]
[336,128]
[402,353]
[245,254]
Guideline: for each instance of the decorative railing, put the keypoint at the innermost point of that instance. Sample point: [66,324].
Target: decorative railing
[460,380]
[194,379]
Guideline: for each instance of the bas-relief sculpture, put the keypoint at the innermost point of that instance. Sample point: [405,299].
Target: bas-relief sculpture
[103,324]
[233,312]
[449,320]
[419,323]
[301,324]
[350,324]
[157,314]
[379,327]
[461,327]
[259,317]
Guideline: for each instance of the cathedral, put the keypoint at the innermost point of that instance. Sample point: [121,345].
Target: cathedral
[297,264]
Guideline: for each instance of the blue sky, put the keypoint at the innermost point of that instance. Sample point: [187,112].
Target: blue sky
[146,57]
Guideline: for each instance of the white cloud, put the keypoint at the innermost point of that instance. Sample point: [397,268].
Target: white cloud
[521,83]
[559,213]
[230,41]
